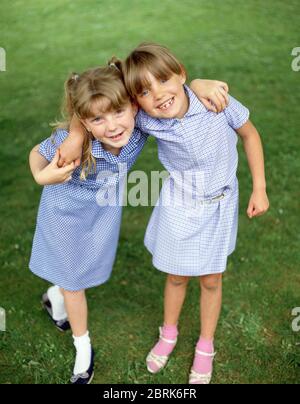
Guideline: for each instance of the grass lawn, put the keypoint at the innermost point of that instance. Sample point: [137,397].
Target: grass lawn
[249,45]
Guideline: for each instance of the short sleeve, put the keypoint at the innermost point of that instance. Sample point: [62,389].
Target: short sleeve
[49,146]
[236,113]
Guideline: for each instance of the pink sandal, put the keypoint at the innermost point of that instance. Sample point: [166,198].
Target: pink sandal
[198,378]
[159,361]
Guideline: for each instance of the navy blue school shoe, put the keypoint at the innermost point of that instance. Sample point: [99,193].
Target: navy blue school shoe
[86,377]
[61,325]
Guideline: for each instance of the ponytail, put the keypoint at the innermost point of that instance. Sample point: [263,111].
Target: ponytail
[70,86]
[116,63]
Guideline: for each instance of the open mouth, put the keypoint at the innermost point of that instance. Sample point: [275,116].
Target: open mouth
[167,104]
[117,137]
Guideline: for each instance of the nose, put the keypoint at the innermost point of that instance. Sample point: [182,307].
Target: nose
[157,91]
[111,124]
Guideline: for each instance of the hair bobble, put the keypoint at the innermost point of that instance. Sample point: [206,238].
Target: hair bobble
[75,76]
[114,66]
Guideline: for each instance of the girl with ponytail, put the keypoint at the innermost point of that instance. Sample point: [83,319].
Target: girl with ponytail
[76,236]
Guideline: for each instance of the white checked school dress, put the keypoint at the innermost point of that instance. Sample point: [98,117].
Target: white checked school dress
[78,222]
[199,152]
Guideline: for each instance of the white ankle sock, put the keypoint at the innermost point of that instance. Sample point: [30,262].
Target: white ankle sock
[83,353]
[57,303]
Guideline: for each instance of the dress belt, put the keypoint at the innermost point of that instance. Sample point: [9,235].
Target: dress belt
[211,200]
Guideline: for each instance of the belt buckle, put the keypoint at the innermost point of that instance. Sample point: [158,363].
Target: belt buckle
[218,198]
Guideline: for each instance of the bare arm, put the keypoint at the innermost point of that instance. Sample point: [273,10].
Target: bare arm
[259,202]
[71,148]
[46,173]
[37,162]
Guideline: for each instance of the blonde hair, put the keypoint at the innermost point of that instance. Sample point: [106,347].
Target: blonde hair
[149,57]
[101,87]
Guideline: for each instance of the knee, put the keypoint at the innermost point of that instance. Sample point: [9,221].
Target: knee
[175,280]
[211,283]
[69,293]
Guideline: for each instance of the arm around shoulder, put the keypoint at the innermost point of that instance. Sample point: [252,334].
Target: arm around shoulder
[212,93]
[71,148]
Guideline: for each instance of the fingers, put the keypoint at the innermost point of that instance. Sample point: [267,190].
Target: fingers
[69,168]
[67,179]
[63,162]
[215,100]
[224,86]
[250,209]
[259,212]
[254,211]
[68,171]
[68,162]
[65,173]
[219,100]
[208,105]
[225,95]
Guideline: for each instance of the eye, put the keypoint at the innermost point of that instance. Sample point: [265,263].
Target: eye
[144,93]
[120,111]
[97,119]
[164,80]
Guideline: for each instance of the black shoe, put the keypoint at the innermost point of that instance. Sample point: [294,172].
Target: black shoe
[61,325]
[86,377]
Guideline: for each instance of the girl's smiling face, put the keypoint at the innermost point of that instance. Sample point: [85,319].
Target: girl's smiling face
[113,128]
[164,98]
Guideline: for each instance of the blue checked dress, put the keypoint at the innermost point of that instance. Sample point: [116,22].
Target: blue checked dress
[78,222]
[195,238]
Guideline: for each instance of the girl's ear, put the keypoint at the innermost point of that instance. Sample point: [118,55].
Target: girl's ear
[183,75]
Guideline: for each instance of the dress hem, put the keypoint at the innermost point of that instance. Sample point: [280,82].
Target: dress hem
[71,289]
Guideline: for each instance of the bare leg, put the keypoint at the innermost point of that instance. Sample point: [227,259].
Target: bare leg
[76,306]
[210,304]
[175,292]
